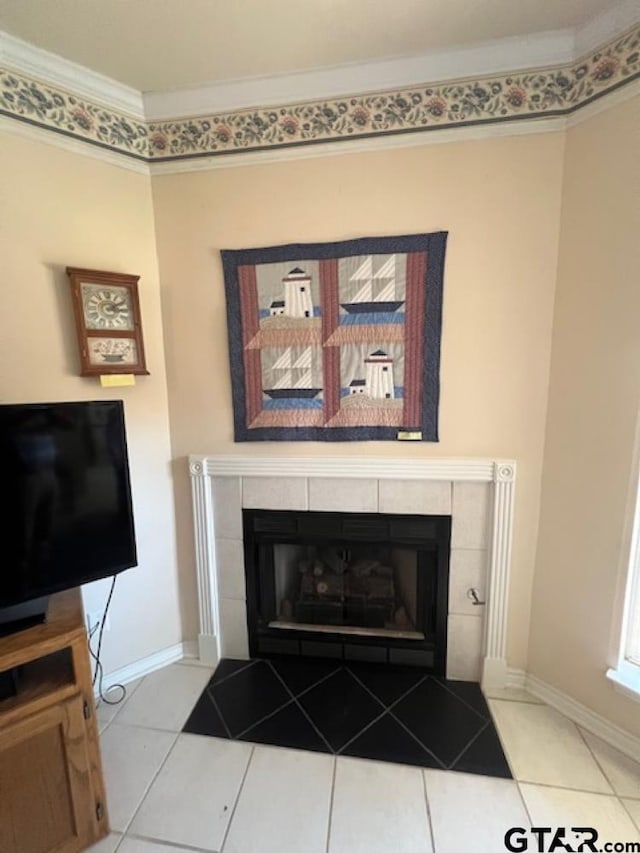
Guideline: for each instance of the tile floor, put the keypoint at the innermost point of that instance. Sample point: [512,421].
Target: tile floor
[171,791]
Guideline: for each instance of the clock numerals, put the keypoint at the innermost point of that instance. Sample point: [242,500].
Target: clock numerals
[107,307]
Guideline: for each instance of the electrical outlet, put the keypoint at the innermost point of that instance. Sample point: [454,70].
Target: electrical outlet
[93,622]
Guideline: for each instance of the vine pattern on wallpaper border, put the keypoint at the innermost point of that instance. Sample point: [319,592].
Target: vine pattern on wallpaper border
[490,99]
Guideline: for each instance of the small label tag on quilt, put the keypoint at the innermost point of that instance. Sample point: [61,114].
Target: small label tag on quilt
[404,435]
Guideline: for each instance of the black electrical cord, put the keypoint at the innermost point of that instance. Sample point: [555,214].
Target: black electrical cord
[98,673]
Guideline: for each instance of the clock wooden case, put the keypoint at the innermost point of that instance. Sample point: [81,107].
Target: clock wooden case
[108,324]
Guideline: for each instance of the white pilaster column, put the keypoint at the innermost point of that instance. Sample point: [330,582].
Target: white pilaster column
[204,532]
[494,671]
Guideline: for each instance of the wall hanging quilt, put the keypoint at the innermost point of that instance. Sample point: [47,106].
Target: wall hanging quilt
[336,341]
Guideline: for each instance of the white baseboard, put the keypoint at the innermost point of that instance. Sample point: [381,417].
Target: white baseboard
[585,717]
[190,649]
[516,678]
[144,666]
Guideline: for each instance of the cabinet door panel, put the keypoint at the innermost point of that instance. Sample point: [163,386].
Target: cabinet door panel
[46,801]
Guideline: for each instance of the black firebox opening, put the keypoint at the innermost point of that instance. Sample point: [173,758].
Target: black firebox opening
[353,586]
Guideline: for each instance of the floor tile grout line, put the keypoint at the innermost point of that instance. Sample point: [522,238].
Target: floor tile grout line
[533,701]
[595,758]
[443,766]
[625,807]
[150,785]
[502,743]
[558,787]
[168,844]
[428,805]
[238,795]
[524,802]
[145,728]
[472,741]
[331,799]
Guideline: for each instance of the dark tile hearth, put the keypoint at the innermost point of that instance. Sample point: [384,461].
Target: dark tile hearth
[363,710]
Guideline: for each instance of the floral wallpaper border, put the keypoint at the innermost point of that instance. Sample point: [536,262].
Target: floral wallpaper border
[516,96]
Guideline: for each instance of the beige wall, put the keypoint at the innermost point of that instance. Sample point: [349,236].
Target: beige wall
[593,406]
[500,201]
[62,209]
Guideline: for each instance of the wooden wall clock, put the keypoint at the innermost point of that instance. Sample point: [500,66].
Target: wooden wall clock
[108,324]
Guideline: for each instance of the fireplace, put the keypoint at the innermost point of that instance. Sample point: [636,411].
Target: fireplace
[477,494]
[354,586]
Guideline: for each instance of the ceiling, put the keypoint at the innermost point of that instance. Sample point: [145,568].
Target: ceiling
[159,45]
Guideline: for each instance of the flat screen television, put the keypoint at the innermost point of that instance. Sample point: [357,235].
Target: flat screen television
[68,516]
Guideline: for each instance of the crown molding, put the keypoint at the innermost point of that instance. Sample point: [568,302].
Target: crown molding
[30,61]
[605,27]
[492,57]
[513,102]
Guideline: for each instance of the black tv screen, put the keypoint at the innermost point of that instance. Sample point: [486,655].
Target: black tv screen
[68,517]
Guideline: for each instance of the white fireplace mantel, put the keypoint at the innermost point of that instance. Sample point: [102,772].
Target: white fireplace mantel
[501,473]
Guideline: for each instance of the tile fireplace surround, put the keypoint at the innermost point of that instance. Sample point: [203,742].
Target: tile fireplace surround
[477,493]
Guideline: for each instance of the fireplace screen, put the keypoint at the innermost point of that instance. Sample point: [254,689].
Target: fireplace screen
[350,585]
[367,589]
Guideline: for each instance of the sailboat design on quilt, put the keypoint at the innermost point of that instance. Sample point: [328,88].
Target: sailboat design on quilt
[377,292]
[294,379]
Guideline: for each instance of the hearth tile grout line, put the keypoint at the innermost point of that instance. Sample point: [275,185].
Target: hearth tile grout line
[428,806]
[219,712]
[224,678]
[331,799]
[306,689]
[443,766]
[465,748]
[262,720]
[361,732]
[238,795]
[395,701]
[309,720]
[315,728]
[387,710]
[442,683]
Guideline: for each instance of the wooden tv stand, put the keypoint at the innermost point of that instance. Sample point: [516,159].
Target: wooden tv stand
[51,787]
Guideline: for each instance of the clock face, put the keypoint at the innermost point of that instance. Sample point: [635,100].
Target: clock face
[107,307]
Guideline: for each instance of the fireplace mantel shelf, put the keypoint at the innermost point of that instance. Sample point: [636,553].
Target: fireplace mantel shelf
[500,474]
[469,470]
